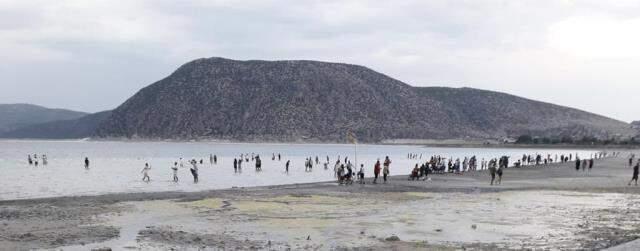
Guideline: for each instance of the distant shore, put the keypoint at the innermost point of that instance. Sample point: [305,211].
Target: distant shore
[451,143]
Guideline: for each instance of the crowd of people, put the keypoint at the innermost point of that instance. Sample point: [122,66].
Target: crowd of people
[439,165]
[346,174]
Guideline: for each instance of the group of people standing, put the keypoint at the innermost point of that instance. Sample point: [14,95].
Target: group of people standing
[33,159]
[496,166]
[237,162]
[193,168]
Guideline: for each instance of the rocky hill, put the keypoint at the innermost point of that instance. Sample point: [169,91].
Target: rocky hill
[497,113]
[14,116]
[316,101]
[82,127]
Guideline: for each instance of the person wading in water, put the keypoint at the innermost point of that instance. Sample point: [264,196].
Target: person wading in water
[86,163]
[175,171]
[286,167]
[194,170]
[145,172]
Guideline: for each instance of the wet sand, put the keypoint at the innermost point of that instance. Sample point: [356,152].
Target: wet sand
[552,207]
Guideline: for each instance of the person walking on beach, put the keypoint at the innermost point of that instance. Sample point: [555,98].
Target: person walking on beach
[590,164]
[376,172]
[499,172]
[361,174]
[211,159]
[286,167]
[635,174]
[86,163]
[194,170]
[175,171]
[492,170]
[577,164]
[44,160]
[215,159]
[30,160]
[145,172]
[385,171]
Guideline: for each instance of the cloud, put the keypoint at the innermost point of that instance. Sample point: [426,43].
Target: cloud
[597,37]
[556,51]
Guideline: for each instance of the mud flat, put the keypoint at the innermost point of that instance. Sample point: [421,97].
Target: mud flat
[552,207]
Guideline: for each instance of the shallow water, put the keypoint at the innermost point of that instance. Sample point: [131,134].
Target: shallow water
[529,220]
[116,166]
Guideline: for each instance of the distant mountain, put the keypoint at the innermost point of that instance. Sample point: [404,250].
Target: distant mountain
[14,116]
[495,113]
[635,124]
[219,98]
[82,127]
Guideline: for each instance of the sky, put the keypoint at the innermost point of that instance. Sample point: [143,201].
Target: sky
[93,55]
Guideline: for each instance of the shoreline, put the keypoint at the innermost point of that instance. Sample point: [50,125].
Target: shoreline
[276,217]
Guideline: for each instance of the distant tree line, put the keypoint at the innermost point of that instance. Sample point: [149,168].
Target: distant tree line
[528,139]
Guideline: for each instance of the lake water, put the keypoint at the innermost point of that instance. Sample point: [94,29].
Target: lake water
[116,166]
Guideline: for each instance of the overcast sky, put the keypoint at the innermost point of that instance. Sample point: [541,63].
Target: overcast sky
[93,55]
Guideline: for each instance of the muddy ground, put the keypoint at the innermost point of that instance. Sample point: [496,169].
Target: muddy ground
[551,207]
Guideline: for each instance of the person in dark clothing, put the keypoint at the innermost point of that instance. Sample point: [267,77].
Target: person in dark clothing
[194,170]
[348,177]
[415,173]
[86,163]
[235,165]
[286,167]
[258,163]
[492,170]
[577,164]
[376,172]
[635,174]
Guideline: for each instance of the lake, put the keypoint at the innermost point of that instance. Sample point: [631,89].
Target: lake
[116,166]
